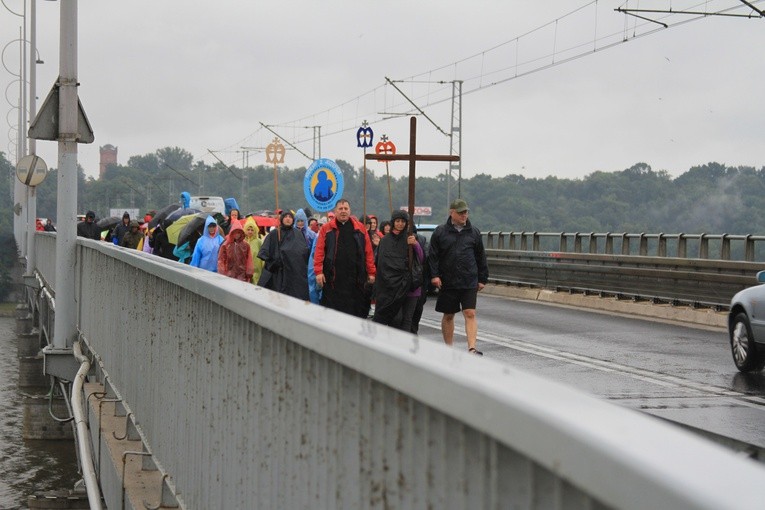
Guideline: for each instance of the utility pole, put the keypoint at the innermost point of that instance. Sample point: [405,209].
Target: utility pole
[65,330]
[455,142]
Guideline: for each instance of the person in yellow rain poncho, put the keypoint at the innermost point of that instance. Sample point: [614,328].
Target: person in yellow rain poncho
[252,236]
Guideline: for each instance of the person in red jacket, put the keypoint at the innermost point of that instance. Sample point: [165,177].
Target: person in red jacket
[235,257]
[344,262]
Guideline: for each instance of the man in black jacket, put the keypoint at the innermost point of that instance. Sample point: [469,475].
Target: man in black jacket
[458,268]
[88,227]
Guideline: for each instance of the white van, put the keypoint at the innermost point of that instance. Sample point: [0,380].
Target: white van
[208,204]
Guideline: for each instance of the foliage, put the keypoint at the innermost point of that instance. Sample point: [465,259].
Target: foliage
[712,198]
[8,251]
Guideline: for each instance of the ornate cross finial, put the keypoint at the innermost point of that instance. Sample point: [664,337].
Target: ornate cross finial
[364,135]
[275,152]
[385,146]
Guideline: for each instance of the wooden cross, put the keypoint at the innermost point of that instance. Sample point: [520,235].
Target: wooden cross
[412,157]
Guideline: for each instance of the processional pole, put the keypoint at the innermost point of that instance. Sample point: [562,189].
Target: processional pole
[364,138]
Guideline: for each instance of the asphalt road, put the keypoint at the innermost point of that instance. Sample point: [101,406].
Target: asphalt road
[679,373]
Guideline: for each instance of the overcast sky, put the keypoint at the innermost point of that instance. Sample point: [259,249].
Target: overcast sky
[203,75]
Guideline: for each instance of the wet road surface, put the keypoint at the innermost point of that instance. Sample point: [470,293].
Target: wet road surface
[678,373]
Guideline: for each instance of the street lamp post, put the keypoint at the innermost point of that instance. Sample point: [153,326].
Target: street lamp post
[19,193]
[32,190]
[24,197]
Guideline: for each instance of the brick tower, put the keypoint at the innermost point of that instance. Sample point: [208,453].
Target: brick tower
[108,157]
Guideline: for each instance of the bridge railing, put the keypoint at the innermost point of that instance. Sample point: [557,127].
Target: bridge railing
[247,398]
[645,266]
[749,248]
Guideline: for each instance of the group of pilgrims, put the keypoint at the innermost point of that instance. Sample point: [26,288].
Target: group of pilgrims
[363,267]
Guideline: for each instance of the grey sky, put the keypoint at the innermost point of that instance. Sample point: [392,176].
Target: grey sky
[202,75]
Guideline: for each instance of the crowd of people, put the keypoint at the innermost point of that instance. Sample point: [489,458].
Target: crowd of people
[351,265]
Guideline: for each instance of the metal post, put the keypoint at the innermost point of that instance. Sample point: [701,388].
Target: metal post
[23,135]
[32,190]
[19,191]
[65,330]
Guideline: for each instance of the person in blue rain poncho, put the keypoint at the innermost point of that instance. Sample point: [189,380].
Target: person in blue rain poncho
[206,251]
[301,224]
[185,199]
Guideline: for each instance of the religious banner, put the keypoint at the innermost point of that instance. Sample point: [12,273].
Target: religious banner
[365,139]
[323,185]
[385,146]
[364,136]
[275,154]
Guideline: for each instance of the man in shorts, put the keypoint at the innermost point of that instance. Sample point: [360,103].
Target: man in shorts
[458,269]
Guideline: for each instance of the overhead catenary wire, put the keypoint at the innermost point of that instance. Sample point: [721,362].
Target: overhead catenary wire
[338,119]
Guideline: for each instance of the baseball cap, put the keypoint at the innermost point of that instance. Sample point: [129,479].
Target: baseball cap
[459,205]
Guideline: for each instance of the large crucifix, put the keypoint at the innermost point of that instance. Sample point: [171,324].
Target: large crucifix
[412,157]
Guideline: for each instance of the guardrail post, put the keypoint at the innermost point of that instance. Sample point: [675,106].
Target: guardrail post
[625,244]
[609,244]
[725,247]
[593,248]
[577,243]
[524,242]
[661,249]
[563,242]
[512,240]
[501,240]
[643,250]
[535,241]
[489,240]
[682,246]
[703,246]
[749,248]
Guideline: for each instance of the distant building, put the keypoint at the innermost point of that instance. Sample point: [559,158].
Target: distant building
[108,157]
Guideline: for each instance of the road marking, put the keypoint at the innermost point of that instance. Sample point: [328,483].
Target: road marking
[666,380]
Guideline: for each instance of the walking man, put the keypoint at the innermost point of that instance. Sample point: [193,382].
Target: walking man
[344,262]
[459,270]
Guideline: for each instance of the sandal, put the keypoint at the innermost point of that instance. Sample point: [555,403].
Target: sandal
[473,350]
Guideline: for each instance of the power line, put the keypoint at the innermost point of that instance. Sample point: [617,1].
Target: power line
[336,120]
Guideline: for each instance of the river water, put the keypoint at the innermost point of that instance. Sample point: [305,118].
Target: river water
[26,466]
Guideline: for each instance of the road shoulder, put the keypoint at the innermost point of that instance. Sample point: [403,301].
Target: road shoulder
[685,315]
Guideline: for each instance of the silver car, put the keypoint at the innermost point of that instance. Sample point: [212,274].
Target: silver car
[746,326]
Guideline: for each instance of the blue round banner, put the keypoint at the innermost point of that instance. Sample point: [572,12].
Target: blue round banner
[323,185]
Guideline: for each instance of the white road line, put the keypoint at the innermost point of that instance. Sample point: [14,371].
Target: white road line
[640,374]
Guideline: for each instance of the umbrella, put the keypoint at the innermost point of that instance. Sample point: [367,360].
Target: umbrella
[174,230]
[162,214]
[190,229]
[108,223]
[265,221]
[179,213]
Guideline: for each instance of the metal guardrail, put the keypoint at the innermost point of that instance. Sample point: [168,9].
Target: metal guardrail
[251,398]
[748,248]
[635,266]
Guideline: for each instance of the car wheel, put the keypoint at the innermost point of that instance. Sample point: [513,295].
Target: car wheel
[746,355]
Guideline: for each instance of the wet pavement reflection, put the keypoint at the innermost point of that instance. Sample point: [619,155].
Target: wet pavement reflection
[749,383]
